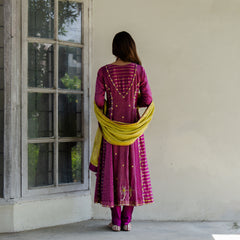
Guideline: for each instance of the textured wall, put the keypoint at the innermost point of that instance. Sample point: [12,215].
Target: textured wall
[190,50]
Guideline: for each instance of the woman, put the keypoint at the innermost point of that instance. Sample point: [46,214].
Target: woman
[122,172]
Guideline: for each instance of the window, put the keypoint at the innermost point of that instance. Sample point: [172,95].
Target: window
[55,96]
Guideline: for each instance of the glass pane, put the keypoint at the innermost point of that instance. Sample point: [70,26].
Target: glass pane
[70,162]
[41,18]
[70,68]
[40,164]
[40,65]
[70,115]
[70,21]
[40,115]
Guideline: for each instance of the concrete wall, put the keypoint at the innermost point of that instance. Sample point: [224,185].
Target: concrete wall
[1,98]
[38,213]
[190,50]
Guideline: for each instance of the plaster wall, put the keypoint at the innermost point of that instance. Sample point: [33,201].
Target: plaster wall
[31,214]
[190,50]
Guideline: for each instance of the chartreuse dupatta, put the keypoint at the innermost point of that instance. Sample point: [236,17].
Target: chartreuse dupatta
[118,133]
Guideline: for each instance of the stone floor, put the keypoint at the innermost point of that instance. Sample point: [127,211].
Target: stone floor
[147,230]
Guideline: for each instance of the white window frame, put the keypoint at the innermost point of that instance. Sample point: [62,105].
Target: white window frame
[56,187]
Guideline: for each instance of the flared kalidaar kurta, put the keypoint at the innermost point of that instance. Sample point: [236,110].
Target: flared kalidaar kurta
[122,174]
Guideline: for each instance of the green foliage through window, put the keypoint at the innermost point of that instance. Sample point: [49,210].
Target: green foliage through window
[71,83]
[76,155]
[33,156]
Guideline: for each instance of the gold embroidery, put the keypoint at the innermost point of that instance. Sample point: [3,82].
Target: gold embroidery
[130,192]
[123,191]
[134,76]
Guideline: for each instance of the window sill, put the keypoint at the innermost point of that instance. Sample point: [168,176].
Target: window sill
[78,193]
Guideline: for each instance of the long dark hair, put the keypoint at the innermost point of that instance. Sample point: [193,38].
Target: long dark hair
[124,48]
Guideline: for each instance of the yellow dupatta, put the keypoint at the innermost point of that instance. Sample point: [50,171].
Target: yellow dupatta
[118,133]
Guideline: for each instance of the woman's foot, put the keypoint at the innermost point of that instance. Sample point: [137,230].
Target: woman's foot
[115,228]
[127,227]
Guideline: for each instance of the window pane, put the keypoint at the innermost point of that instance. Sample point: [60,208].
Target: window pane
[40,65]
[69,22]
[70,115]
[70,68]
[40,164]
[41,18]
[40,115]
[70,162]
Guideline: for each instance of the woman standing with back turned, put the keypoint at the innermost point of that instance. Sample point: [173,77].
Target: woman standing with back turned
[122,171]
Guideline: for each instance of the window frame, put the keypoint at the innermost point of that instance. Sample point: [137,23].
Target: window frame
[2,89]
[84,45]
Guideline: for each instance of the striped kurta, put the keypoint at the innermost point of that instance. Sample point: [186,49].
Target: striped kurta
[123,175]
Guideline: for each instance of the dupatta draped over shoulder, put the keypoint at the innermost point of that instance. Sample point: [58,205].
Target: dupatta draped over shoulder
[120,159]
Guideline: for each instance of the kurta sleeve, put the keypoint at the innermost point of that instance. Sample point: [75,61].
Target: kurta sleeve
[145,98]
[100,89]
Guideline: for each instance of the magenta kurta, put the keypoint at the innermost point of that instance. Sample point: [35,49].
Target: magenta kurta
[122,175]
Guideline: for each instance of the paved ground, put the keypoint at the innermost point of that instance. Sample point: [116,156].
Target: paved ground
[142,230]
